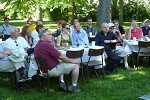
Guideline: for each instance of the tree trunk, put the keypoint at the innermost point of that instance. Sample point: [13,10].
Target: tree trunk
[71,12]
[41,15]
[121,12]
[103,14]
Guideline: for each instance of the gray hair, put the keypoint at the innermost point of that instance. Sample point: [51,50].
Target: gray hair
[134,21]
[44,32]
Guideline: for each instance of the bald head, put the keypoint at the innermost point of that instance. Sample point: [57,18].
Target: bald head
[105,27]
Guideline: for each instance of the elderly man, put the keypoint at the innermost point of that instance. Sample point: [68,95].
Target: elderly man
[18,45]
[57,63]
[6,65]
[134,31]
[146,28]
[90,28]
[79,35]
[106,38]
[5,29]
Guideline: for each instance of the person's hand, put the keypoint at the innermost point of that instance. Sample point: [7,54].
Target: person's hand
[7,51]
[107,41]
[75,61]
[131,27]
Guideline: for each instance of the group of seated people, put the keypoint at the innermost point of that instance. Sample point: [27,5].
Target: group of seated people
[13,50]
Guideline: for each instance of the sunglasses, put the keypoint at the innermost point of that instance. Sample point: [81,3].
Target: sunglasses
[68,28]
[16,43]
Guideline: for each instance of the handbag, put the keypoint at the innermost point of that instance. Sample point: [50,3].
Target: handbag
[29,52]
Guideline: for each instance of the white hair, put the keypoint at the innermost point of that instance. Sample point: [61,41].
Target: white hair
[12,29]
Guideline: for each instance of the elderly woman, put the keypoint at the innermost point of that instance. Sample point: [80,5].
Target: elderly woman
[26,34]
[134,31]
[121,49]
[64,39]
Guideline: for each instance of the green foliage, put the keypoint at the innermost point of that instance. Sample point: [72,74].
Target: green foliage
[135,10]
[132,9]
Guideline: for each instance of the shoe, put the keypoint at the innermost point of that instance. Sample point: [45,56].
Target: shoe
[24,89]
[74,89]
[128,68]
[62,86]
[24,78]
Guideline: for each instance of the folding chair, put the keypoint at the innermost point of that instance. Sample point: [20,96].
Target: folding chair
[91,64]
[42,65]
[74,55]
[143,45]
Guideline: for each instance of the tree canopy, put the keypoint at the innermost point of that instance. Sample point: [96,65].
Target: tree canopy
[68,9]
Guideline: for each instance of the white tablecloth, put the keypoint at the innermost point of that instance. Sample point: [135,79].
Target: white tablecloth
[133,45]
[85,56]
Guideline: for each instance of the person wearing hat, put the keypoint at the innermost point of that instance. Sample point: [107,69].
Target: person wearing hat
[146,27]
[5,29]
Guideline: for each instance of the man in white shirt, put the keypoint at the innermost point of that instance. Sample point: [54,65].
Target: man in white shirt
[5,29]
[17,43]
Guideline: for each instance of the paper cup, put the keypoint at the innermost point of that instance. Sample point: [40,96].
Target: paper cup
[93,43]
[134,39]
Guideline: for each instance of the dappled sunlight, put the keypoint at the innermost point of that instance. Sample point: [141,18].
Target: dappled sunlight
[9,98]
[139,72]
[117,77]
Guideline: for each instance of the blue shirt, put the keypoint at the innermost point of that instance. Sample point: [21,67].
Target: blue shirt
[145,31]
[5,29]
[80,37]
[100,38]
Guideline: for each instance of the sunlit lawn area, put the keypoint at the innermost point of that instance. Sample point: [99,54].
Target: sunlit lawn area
[123,85]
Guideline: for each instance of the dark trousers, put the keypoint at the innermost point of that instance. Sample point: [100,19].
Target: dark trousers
[115,59]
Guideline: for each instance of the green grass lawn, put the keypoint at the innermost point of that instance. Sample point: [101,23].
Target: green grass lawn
[123,85]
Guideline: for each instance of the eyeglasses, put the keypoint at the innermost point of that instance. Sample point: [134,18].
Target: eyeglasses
[16,43]
[111,27]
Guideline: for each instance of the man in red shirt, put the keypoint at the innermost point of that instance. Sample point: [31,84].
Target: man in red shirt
[57,63]
[134,31]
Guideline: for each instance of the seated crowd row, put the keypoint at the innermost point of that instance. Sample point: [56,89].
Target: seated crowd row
[45,43]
